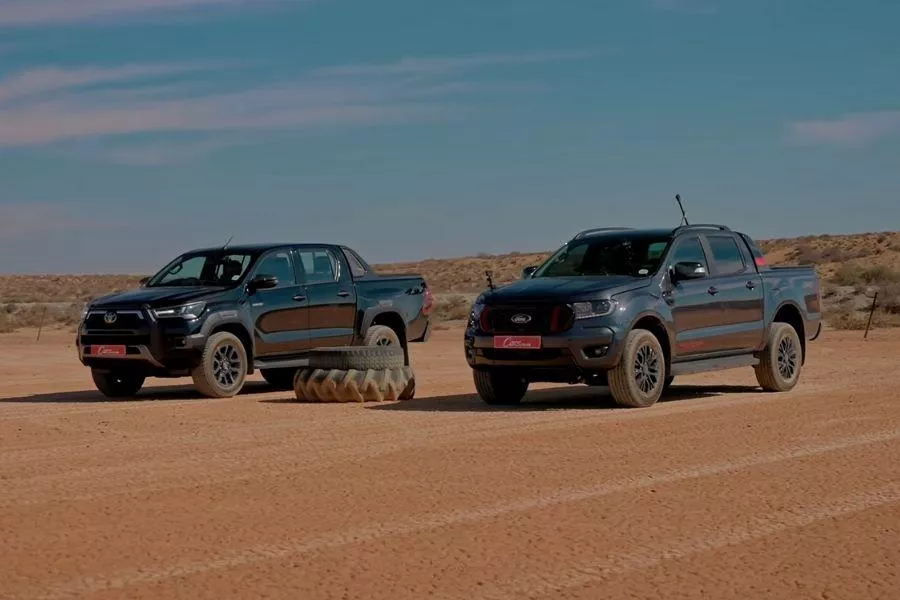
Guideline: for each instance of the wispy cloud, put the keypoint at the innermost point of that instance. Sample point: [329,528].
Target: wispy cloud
[25,220]
[849,130]
[51,79]
[20,13]
[446,64]
[53,105]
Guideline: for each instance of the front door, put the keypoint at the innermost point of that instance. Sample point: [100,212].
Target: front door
[331,295]
[742,321]
[695,311]
[280,325]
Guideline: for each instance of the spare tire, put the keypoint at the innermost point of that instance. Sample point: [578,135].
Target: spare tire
[336,385]
[360,358]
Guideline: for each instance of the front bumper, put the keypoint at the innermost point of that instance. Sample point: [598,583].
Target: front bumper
[584,348]
[151,344]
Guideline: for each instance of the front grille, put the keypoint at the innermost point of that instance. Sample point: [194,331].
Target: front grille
[126,321]
[541,319]
[523,355]
[114,339]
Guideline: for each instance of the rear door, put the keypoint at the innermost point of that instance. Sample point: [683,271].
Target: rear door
[331,296]
[739,287]
[695,312]
[280,319]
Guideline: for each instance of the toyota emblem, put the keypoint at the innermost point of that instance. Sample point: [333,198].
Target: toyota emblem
[520,319]
[110,317]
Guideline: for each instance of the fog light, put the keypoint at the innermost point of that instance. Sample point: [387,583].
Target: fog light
[596,351]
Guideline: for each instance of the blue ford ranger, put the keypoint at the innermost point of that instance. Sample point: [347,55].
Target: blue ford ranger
[634,308]
[219,314]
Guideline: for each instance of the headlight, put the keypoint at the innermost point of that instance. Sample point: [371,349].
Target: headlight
[85,310]
[594,308]
[186,311]
[475,312]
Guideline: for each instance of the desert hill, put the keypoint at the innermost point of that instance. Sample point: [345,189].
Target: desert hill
[851,266]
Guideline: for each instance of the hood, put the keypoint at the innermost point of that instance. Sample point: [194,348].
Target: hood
[156,297]
[563,289]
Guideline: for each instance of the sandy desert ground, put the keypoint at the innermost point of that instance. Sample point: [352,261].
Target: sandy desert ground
[722,492]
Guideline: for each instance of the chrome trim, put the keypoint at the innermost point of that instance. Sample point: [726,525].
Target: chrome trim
[144,354]
[129,311]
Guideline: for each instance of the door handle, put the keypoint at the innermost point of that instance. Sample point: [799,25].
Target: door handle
[299,297]
[712,291]
[751,285]
[343,293]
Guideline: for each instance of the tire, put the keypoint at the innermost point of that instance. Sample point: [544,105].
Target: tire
[282,379]
[779,364]
[336,385]
[409,392]
[498,388]
[639,378]
[381,335]
[213,383]
[359,358]
[117,384]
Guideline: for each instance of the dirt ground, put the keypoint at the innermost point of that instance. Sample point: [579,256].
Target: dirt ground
[722,492]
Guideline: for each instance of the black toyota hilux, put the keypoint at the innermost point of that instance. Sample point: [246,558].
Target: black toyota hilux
[219,314]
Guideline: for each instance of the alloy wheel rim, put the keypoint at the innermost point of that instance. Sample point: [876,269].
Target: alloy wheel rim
[787,357]
[227,365]
[647,369]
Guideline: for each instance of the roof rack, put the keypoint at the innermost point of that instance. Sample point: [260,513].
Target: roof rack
[588,232]
[699,226]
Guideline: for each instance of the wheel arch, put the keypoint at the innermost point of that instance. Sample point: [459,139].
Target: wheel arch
[653,323]
[788,312]
[239,331]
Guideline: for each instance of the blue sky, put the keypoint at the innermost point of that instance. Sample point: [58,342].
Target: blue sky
[132,130]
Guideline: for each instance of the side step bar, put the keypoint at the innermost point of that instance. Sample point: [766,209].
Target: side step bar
[714,364]
[291,363]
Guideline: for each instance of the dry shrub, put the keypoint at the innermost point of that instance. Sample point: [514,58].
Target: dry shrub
[452,308]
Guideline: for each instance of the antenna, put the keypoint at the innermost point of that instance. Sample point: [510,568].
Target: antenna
[490,278]
[683,216]
[225,247]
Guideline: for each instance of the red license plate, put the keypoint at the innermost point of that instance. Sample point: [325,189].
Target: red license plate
[106,350]
[517,342]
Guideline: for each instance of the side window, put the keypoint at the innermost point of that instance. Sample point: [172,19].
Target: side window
[279,264]
[356,268]
[318,265]
[690,250]
[726,254]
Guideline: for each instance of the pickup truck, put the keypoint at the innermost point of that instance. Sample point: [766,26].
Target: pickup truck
[219,314]
[632,309]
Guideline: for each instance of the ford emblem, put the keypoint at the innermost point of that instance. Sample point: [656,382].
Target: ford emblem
[520,319]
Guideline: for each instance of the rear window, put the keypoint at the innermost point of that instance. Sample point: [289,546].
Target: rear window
[726,254]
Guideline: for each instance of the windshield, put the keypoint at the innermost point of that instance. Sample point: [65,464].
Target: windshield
[214,268]
[605,255]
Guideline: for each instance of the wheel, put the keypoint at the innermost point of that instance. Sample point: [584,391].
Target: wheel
[638,380]
[223,366]
[381,335]
[499,388]
[360,358]
[779,364]
[336,385]
[282,379]
[117,384]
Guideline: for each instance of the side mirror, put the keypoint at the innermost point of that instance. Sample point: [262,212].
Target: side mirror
[527,272]
[689,270]
[262,282]
[143,281]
